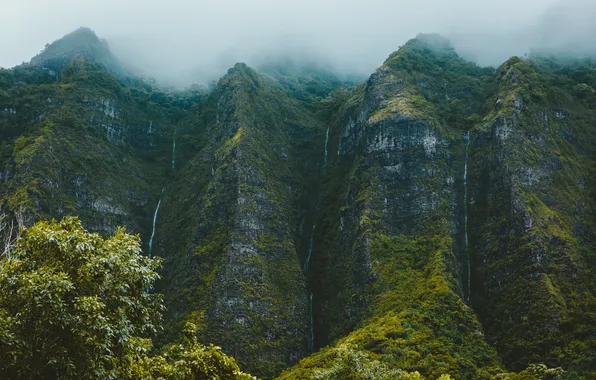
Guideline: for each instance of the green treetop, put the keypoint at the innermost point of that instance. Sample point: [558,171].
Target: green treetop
[74,305]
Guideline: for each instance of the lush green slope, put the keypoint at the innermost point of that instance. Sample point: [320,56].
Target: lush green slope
[438,219]
[82,44]
[388,235]
[83,143]
[516,234]
[233,215]
[532,170]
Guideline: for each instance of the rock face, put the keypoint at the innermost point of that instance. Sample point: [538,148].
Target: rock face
[533,284]
[242,264]
[388,247]
[79,144]
[499,166]
[394,223]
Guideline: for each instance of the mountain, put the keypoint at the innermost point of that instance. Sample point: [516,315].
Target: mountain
[458,197]
[437,219]
[82,44]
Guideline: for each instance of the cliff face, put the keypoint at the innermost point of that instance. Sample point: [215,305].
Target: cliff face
[452,188]
[241,202]
[389,246]
[81,144]
[437,218]
[533,244]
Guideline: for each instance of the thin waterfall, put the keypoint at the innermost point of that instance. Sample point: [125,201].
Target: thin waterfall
[325,156]
[310,248]
[310,244]
[467,251]
[163,190]
[174,150]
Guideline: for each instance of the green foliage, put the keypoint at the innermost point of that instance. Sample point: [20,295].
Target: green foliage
[190,360]
[71,301]
[80,44]
[346,361]
[308,83]
[417,324]
[75,305]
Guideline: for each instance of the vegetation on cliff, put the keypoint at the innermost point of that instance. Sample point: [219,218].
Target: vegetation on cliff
[436,221]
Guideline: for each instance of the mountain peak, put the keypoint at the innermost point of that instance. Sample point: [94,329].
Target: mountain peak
[428,44]
[81,43]
[433,41]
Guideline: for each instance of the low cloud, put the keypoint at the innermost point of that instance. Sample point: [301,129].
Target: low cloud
[182,41]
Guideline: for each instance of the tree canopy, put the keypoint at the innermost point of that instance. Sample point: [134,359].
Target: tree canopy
[76,305]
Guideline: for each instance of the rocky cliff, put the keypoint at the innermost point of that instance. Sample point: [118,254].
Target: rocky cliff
[533,241]
[241,203]
[466,192]
[437,218]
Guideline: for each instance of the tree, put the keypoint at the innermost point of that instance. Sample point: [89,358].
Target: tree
[190,360]
[74,305]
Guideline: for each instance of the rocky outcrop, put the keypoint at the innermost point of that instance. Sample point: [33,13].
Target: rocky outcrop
[245,251]
[397,172]
[394,223]
[75,150]
[529,199]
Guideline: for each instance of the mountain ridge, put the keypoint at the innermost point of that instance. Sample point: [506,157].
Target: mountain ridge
[434,219]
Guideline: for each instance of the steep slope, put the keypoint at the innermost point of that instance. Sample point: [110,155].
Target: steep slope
[80,141]
[532,174]
[234,220]
[388,236]
[81,44]
[452,189]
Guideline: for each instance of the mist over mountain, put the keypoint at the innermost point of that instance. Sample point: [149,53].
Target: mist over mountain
[316,191]
[182,42]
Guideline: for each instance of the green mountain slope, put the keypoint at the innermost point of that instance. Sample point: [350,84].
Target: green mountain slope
[533,250]
[438,219]
[82,144]
[452,187]
[233,215]
[80,44]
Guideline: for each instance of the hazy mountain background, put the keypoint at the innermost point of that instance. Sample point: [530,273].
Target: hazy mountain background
[342,196]
[181,42]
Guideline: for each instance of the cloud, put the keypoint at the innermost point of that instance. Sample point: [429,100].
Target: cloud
[194,40]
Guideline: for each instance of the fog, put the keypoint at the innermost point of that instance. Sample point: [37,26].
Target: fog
[184,41]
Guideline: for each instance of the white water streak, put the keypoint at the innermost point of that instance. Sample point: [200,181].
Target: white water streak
[163,190]
[326,144]
[310,248]
[310,245]
[174,150]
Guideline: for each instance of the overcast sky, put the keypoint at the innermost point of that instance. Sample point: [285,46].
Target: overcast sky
[171,37]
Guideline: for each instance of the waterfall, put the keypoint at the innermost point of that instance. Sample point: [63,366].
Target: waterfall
[174,150]
[325,156]
[469,282]
[310,248]
[310,244]
[312,327]
[314,226]
[163,190]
